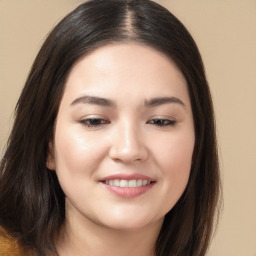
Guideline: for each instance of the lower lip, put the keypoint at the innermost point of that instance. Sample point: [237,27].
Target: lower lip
[127,192]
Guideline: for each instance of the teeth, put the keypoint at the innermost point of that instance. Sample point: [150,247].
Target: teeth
[127,183]
[124,183]
[117,183]
[139,183]
[132,183]
[144,182]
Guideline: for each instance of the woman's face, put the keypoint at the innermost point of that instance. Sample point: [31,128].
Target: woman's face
[124,137]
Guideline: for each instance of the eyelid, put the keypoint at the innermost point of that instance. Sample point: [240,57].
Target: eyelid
[162,121]
[165,117]
[93,121]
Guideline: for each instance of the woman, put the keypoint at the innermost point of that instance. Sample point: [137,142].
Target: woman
[113,147]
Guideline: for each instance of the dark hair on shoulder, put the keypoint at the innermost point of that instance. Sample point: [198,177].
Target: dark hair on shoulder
[32,204]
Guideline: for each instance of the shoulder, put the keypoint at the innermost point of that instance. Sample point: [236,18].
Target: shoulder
[10,246]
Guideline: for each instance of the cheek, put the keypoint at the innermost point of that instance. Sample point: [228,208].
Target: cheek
[175,158]
[76,153]
[175,152]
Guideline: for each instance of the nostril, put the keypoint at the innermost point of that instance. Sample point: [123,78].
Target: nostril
[127,145]
[122,156]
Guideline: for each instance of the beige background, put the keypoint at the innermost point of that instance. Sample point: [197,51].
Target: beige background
[225,31]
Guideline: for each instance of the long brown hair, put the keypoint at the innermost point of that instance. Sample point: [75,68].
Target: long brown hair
[31,201]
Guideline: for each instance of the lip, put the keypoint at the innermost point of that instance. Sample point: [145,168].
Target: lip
[127,176]
[128,192]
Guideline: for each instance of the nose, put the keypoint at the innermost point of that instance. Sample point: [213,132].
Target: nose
[128,144]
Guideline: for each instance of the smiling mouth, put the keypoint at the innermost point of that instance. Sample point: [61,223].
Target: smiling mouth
[127,183]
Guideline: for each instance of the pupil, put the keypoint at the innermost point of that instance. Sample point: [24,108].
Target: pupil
[95,121]
[160,122]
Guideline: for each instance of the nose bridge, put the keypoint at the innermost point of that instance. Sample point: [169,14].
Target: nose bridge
[128,143]
[130,136]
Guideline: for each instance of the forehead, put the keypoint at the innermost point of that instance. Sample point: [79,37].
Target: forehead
[130,69]
[123,55]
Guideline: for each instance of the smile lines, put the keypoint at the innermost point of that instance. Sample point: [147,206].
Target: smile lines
[127,183]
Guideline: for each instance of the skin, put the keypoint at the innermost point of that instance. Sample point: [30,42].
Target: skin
[131,135]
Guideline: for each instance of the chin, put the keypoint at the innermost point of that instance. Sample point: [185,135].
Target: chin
[130,222]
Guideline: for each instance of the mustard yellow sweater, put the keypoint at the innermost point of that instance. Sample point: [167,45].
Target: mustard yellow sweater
[10,247]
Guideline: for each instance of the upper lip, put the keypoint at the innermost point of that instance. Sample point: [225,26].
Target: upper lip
[127,176]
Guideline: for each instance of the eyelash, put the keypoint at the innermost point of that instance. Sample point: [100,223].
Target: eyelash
[160,122]
[97,122]
[93,122]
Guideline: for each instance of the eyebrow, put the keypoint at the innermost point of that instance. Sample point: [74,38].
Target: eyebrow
[94,100]
[163,100]
[154,102]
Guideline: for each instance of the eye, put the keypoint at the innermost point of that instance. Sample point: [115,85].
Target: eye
[93,122]
[162,122]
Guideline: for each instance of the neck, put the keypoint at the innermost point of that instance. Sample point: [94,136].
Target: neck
[87,238]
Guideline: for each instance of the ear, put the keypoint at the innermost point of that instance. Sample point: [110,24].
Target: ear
[50,160]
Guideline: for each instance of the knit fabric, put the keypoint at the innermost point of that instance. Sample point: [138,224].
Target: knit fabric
[9,246]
